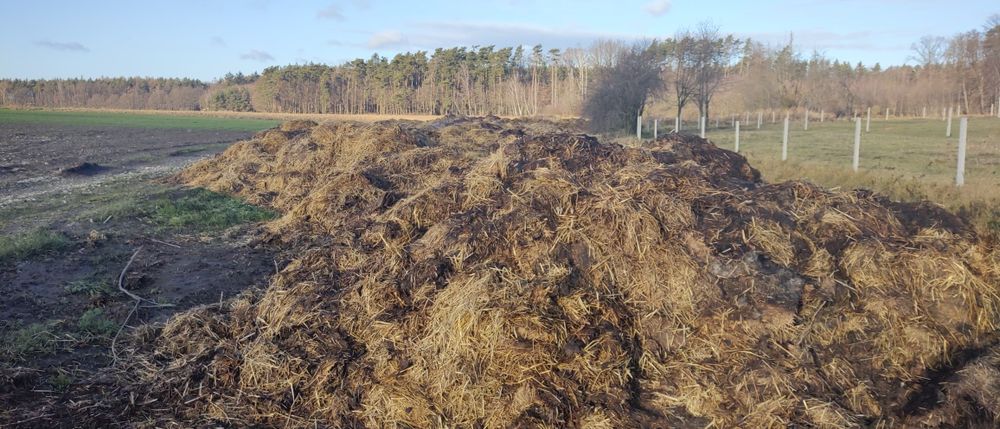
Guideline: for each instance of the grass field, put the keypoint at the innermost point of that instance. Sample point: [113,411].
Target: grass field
[135,120]
[908,159]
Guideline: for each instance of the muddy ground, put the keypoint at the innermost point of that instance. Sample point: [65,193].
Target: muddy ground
[35,158]
[60,307]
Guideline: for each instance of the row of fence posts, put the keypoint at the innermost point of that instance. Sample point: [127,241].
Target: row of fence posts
[856,164]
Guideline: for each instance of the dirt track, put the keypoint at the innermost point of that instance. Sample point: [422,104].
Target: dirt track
[33,156]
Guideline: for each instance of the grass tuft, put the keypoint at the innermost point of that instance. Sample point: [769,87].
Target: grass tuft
[34,339]
[92,287]
[205,210]
[31,244]
[94,323]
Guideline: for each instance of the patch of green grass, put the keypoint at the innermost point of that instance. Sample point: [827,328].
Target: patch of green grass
[134,120]
[94,323]
[93,287]
[32,340]
[204,210]
[61,382]
[906,159]
[32,243]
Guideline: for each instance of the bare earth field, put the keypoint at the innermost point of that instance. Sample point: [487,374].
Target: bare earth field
[34,157]
[67,235]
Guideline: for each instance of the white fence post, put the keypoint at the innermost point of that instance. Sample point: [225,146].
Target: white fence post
[638,127]
[822,115]
[760,118]
[991,109]
[784,141]
[925,112]
[963,128]
[806,124]
[677,124]
[887,113]
[716,122]
[737,137]
[947,130]
[868,123]
[656,125]
[857,143]
[702,127]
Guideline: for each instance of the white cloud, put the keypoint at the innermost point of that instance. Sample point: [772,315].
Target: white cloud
[62,46]
[821,39]
[256,55]
[657,7]
[331,12]
[437,34]
[386,39]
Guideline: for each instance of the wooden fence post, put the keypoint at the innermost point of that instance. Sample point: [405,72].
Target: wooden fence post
[963,127]
[784,141]
[857,143]
[947,130]
[737,137]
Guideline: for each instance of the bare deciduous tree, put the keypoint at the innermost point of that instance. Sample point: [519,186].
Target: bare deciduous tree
[928,51]
[711,56]
[620,94]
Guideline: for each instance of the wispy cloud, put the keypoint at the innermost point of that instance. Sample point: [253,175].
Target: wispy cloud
[218,41]
[822,40]
[331,12]
[657,7]
[62,46]
[430,35]
[257,55]
[386,39]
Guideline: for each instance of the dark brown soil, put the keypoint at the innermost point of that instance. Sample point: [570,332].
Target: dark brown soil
[32,156]
[174,266]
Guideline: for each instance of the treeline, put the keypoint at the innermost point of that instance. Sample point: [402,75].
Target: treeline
[961,72]
[469,81]
[700,68]
[107,93]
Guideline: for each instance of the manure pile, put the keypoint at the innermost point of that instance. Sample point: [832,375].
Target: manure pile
[493,273]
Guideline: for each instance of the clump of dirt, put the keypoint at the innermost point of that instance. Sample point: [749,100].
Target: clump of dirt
[492,273]
[84,169]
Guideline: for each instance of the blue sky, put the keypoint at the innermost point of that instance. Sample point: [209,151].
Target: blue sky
[207,38]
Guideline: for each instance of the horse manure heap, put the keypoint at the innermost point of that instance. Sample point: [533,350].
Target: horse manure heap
[479,272]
